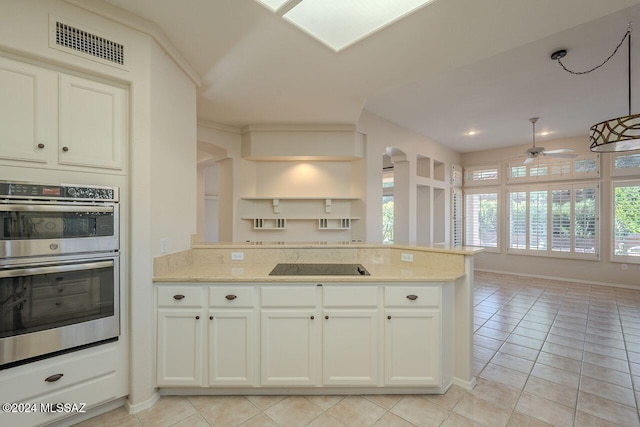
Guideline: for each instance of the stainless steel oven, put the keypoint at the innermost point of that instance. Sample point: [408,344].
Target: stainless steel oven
[59,269]
[49,304]
[43,219]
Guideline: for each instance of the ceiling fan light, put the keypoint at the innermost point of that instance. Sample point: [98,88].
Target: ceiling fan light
[619,134]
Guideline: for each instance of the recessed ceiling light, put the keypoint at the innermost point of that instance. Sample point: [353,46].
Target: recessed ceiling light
[339,23]
[545,133]
[472,132]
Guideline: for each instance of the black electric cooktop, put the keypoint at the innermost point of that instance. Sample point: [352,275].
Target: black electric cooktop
[298,269]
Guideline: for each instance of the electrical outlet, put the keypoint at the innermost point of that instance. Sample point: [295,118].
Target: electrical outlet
[163,245]
[624,267]
[237,256]
[406,257]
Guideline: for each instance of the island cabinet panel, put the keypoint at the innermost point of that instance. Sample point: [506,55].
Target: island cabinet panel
[231,353]
[305,335]
[180,335]
[350,347]
[180,339]
[289,347]
[231,347]
[412,348]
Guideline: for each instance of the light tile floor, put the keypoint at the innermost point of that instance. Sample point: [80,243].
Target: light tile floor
[546,353]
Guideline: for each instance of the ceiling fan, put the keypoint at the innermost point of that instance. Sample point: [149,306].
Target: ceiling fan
[533,152]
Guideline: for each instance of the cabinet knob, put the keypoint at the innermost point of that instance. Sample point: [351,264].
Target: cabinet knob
[313,317]
[197,317]
[210,317]
[326,317]
[231,297]
[389,317]
[65,149]
[178,297]
[53,378]
[41,145]
[412,297]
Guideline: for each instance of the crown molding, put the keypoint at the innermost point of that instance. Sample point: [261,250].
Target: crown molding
[218,126]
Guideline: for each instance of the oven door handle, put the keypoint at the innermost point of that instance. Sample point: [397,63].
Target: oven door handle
[55,208]
[32,271]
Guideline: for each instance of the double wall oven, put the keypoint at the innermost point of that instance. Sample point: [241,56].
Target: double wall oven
[59,269]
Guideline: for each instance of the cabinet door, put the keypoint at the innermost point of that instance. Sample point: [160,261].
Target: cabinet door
[27,111]
[180,336]
[231,348]
[289,347]
[412,347]
[350,347]
[92,123]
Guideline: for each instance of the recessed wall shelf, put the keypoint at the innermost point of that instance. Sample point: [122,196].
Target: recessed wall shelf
[269,223]
[300,215]
[335,223]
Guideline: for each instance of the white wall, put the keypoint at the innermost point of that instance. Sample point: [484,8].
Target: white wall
[602,271]
[380,134]
[161,152]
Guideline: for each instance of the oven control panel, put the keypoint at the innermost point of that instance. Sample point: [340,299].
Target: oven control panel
[23,190]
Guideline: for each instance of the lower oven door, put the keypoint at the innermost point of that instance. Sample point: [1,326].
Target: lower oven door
[51,307]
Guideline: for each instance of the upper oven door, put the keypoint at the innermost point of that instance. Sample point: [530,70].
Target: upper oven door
[39,228]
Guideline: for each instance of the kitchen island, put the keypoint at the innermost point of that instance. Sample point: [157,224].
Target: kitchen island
[226,326]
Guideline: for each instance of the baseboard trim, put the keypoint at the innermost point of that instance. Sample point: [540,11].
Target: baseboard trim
[302,391]
[139,407]
[467,385]
[557,279]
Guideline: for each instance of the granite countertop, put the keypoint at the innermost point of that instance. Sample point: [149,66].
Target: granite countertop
[216,263]
[260,273]
[461,250]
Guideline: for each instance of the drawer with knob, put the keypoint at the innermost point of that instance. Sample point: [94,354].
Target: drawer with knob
[412,296]
[22,383]
[180,296]
[231,296]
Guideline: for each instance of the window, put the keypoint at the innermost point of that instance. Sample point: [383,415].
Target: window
[625,164]
[481,225]
[518,220]
[456,217]
[387,207]
[559,220]
[554,169]
[482,175]
[518,171]
[626,221]
[538,220]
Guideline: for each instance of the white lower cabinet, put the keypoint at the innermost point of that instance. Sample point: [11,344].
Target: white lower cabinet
[412,348]
[231,348]
[350,332]
[289,347]
[304,335]
[350,347]
[86,378]
[180,337]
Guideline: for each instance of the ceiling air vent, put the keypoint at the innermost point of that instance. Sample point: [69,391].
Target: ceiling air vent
[74,40]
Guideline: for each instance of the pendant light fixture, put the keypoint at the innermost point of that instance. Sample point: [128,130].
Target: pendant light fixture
[620,133]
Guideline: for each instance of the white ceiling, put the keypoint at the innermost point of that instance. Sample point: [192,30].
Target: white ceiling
[452,66]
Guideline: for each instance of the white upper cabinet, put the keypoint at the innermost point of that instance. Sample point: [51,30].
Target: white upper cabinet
[92,123]
[27,106]
[59,121]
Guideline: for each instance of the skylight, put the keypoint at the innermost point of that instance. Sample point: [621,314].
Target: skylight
[341,23]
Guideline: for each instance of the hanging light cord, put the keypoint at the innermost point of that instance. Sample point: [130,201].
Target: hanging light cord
[627,34]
